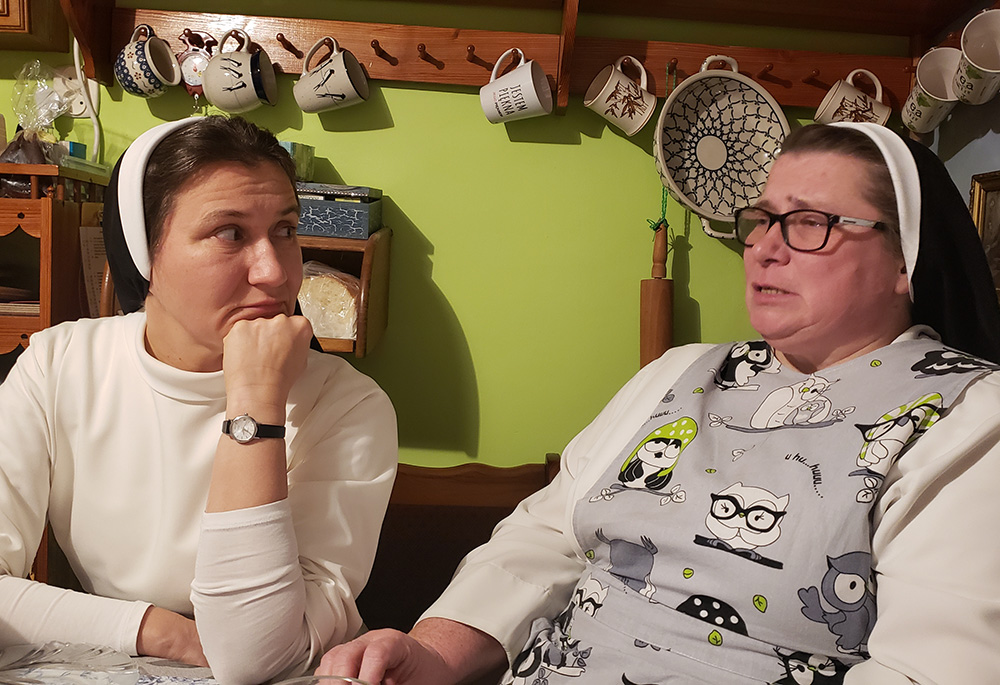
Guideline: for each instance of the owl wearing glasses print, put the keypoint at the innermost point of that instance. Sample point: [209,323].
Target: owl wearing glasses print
[742,519]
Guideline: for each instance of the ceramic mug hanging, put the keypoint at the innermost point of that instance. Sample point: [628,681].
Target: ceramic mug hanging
[146,66]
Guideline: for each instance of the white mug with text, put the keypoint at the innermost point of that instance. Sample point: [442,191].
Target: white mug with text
[519,94]
[933,95]
[977,78]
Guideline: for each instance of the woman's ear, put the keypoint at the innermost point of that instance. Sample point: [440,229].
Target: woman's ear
[902,281]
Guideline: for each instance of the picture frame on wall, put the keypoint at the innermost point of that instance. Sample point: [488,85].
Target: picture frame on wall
[984,203]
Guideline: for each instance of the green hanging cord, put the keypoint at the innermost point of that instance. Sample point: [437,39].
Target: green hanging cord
[671,82]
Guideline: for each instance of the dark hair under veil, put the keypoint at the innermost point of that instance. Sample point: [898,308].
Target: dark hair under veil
[152,170]
[951,286]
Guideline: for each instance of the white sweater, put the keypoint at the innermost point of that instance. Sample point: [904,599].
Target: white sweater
[116,449]
[936,559]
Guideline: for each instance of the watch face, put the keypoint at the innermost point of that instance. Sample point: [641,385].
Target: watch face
[243,428]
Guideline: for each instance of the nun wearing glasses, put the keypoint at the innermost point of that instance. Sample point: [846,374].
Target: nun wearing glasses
[813,507]
[217,486]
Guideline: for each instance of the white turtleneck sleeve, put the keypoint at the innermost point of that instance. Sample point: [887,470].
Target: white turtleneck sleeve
[115,449]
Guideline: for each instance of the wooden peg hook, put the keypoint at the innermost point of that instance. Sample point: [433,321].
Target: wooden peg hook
[287,44]
[768,68]
[427,57]
[380,52]
[471,56]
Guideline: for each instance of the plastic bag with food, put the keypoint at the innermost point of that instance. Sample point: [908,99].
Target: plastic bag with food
[36,103]
[329,299]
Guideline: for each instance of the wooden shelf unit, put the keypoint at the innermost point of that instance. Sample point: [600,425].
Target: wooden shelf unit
[793,77]
[53,219]
[369,261]
[33,25]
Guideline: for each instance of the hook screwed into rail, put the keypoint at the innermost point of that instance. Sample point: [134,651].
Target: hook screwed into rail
[287,44]
[427,57]
[380,52]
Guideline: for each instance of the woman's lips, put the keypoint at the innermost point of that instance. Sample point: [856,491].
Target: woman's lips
[768,290]
[261,310]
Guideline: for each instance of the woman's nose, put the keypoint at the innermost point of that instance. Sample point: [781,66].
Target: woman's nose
[265,265]
[769,245]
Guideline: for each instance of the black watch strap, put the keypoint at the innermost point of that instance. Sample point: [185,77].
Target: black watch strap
[245,428]
[266,430]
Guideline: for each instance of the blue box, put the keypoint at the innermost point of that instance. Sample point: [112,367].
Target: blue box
[339,211]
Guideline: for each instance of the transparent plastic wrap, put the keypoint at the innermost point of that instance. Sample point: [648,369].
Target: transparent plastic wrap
[62,662]
[36,103]
[329,299]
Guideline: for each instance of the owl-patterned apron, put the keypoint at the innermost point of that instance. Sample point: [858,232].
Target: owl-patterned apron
[730,540]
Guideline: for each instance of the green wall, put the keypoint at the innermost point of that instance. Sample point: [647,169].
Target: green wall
[517,249]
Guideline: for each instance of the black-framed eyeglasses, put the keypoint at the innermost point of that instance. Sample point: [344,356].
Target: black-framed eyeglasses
[757,517]
[805,230]
[914,417]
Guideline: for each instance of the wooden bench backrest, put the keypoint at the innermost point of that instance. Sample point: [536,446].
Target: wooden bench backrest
[435,517]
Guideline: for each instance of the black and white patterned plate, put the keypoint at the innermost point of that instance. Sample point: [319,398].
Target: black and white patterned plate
[715,141]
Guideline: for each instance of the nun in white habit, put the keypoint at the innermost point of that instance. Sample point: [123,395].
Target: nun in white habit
[216,485]
[813,507]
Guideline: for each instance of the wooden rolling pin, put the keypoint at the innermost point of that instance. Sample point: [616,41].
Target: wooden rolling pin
[656,295]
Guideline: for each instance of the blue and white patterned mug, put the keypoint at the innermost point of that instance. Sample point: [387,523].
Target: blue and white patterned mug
[147,65]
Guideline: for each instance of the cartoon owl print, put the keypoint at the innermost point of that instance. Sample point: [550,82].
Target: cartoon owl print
[552,651]
[886,438]
[848,587]
[803,668]
[799,404]
[650,465]
[590,596]
[945,361]
[743,518]
[744,361]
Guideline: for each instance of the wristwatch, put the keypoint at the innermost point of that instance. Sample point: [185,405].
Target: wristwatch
[244,429]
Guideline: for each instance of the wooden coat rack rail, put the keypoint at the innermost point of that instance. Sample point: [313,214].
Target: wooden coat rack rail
[426,54]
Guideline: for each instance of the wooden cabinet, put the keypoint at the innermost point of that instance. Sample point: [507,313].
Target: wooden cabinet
[40,251]
[369,261]
[33,25]
[42,238]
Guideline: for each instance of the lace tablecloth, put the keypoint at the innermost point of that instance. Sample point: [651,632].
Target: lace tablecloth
[71,664]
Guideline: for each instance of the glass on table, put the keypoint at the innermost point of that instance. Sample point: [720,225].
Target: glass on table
[323,680]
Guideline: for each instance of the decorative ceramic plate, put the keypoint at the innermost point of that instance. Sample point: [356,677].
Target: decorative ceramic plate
[715,142]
